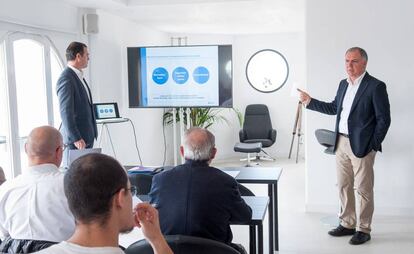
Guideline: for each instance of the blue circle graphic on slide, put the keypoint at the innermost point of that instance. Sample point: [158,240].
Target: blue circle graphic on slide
[160,75]
[201,75]
[180,75]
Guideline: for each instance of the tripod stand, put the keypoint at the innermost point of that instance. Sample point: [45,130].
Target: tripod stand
[297,128]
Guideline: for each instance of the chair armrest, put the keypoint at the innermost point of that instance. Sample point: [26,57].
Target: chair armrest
[242,135]
[273,134]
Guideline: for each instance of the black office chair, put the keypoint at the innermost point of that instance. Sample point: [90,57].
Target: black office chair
[257,127]
[181,244]
[142,182]
[10,245]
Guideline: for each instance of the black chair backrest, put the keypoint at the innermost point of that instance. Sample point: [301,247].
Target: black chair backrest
[257,123]
[10,245]
[181,244]
[244,191]
[142,182]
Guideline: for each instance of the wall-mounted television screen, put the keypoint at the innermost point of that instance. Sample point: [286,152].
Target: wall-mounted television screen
[180,76]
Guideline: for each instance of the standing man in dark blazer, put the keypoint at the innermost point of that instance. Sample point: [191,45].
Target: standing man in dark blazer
[196,199]
[362,112]
[75,100]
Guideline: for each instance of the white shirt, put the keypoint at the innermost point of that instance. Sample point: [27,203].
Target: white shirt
[34,206]
[71,248]
[79,73]
[347,102]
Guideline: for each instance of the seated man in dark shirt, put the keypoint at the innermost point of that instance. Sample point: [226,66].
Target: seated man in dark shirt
[196,199]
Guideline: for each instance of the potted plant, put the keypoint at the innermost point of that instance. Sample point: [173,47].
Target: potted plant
[201,117]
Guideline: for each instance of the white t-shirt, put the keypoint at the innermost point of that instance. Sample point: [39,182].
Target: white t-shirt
[71,248]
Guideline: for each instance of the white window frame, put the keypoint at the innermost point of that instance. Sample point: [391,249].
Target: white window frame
[14,139]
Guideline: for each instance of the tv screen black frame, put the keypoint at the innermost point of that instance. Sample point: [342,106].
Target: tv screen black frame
[225,78]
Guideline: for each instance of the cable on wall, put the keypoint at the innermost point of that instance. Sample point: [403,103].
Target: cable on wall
[135,139]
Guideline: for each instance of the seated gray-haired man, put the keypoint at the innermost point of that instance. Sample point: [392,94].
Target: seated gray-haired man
[34,212]
[196,199]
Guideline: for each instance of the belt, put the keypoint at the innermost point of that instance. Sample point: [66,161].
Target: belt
[344,135]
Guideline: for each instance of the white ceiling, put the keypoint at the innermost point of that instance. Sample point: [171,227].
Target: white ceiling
[208,16]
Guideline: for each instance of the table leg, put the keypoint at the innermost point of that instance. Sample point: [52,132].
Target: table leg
[276,218]
[260,238]
[271,218]
[252,238]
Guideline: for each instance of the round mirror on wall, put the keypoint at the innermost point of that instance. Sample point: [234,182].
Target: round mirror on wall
[267,70]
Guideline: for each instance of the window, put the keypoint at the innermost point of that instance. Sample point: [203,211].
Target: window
[5,161]
[33,67]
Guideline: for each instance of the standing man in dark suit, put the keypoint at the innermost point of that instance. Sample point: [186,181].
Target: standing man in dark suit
[363,117]
[196,199]
[75,100]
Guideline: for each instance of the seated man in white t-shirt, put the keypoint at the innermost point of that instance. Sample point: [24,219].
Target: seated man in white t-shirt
[100,197]
[34,212]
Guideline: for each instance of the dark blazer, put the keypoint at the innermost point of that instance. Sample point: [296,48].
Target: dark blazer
[197,200]
[78,117]
[369,118]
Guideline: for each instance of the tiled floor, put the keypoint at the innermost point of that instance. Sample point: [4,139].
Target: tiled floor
[301,232]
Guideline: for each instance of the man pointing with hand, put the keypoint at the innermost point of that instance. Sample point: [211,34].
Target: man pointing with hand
[362,112]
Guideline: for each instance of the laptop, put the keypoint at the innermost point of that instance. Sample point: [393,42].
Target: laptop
[74,154]
[107,113]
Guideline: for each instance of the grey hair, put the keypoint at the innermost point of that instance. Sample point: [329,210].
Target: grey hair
[360,50]
[198,144]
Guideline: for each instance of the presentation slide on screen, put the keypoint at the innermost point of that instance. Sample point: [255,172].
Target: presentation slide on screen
[106,111]
[179,76]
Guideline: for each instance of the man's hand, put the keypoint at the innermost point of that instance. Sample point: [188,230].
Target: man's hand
[80,144]
[304,97]
[146,218]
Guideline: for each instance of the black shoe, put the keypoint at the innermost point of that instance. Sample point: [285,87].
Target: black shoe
[342,231]
[360,238]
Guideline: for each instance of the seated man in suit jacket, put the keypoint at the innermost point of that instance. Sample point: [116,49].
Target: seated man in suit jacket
[196,199]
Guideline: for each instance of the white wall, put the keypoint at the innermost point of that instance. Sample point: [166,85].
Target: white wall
[54,19]
[53,15]
[385,30]
[281,105]
[110,83]
[107,68]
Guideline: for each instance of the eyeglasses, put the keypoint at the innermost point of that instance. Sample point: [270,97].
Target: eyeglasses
[63,146]
[133,189]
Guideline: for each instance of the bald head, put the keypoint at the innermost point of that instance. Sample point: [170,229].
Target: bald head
[198,144]
[43,145]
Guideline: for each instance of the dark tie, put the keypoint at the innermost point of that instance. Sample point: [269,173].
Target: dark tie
[89,92]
